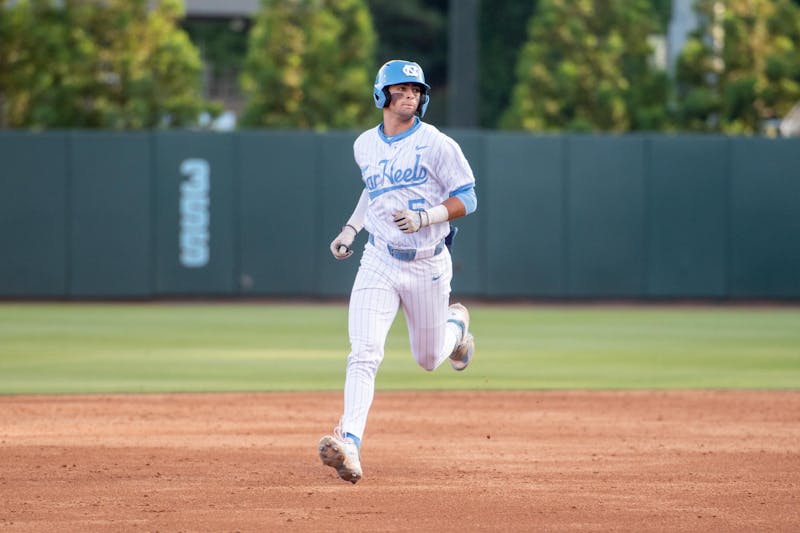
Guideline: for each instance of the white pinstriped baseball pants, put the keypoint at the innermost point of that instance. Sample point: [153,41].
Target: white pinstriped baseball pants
[384,284]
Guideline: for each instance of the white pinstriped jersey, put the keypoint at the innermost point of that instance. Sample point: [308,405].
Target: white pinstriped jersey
[417,169]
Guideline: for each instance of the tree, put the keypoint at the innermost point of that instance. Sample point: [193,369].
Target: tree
[310,64]
[40,72]
[118,64]
[586,67]
[503,25]
[740,67]
[223,45]
[5,59]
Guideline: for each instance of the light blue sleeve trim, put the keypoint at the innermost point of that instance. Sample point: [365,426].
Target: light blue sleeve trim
[467,196]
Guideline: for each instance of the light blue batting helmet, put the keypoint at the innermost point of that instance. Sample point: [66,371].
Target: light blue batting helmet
[399,71]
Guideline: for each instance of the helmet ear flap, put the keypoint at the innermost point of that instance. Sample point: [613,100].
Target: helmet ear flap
[387,97]
[424,98]
[423,104]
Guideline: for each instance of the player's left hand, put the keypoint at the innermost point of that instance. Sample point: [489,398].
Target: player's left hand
[341,246]
[407,221]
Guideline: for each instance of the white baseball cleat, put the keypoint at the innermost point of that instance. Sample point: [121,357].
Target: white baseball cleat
[465,347]
[341,453]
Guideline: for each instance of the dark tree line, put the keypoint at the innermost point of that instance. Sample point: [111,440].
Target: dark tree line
[543,65]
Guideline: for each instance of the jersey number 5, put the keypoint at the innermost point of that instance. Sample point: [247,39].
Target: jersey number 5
[417,204]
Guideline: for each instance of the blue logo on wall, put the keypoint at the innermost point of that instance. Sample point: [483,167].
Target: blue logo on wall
[194,207]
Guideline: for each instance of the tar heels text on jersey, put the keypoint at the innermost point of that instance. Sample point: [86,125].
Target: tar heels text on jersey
[389,178]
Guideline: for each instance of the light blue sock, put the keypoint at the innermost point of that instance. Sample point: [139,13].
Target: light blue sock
[355,439]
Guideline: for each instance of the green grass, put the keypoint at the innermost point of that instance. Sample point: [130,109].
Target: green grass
[174,347]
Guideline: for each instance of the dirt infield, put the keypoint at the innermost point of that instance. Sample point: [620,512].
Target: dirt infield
[433,461]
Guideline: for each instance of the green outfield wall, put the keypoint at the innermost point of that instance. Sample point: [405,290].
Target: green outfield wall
[174,214]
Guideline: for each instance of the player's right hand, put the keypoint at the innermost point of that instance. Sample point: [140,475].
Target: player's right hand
[341,246]
[408,221]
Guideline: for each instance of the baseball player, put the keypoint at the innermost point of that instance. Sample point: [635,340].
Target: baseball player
[416,179]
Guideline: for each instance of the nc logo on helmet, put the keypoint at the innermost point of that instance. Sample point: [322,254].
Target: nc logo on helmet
[412,71]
